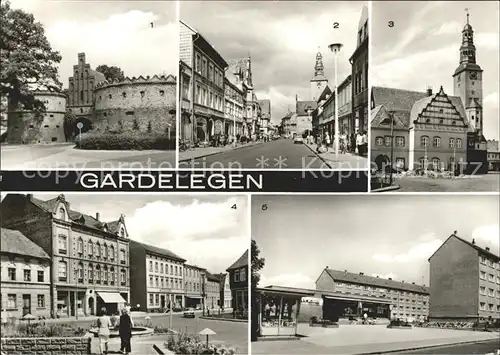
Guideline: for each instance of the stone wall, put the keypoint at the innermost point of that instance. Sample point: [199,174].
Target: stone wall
[53,346]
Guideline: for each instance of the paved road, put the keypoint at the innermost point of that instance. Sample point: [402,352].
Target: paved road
[469,349]
[64,156]
[278,154]
[480,183]
[231,334]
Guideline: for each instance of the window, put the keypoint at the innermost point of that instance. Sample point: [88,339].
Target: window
[124,94]
[400,141]
[123,277]
[63,271]
[400,163]
[424,141]
[11,301]
[162,93]
[98,274]
[423,163]
[491,278]
[63,244]
[436,142]
[157,281]
[452,143]
[40,301]
[142,94]
[458,143]
[91,273]
[491,292]
[40,276]
[105,274]
[151,299]
[435,163]
[122,230]
[122,256]
[482,275]
[79,245]
[242,275]
[237,276]
[12,274]
[98,250]
[161,268]
[482,290]
[157,299]
[27,275]
[112,252]
[150,266]
[387,141]
[112,275]
[105,251]
[156,266]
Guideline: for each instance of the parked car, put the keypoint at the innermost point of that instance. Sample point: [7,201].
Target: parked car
[298,140]
[189,313]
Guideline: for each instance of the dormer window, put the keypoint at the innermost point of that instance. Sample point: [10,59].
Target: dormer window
[62,214]
[122,232]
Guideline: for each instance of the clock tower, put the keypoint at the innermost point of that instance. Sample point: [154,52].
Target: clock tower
[468,81]
[318,82]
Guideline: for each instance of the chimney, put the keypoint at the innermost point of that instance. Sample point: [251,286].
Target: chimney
[429,91]
[413,283]
[29,197]
[455,232]
[487,248]
[390,278]
[97,216]
[474,241]
[361,273]
[377,276]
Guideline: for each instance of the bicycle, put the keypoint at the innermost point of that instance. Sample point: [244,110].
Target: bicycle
[185,145]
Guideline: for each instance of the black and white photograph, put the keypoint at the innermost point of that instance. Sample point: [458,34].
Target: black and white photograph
[365,274]
[124,273]
[88,85]
[434,99]
[258,82]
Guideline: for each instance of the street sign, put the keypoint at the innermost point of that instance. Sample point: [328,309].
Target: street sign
[79,125]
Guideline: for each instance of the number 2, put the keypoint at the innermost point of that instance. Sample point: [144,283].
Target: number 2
[336,25]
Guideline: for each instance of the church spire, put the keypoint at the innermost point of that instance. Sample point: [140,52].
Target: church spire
[467,50]
[319,69]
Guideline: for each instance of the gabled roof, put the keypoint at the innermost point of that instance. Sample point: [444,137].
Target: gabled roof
[396,99]
[325,93]
[381,118]
[265,106]
[241,262]
[158,251]
[472,245]
[212,277]
[14,242]
[350,277]
[301,106]
[194,267]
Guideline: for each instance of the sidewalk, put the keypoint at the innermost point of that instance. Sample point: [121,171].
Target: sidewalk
[346,161]
[207,151]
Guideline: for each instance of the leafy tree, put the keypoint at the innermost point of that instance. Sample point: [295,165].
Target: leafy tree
[69,125]
[28,61]
[111,73]
[257,264]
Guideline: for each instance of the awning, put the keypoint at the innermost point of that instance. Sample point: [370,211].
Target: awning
[111,297]
[194,297]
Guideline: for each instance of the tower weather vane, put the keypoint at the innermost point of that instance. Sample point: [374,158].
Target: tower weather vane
[467,13]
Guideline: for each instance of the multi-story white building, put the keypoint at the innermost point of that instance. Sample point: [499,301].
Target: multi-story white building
[193,286]
[233,96]
[157,278]
[25,277]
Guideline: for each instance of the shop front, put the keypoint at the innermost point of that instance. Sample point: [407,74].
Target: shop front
[336,307]
[278,309]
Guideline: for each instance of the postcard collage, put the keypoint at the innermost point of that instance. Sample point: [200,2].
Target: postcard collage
[249,177]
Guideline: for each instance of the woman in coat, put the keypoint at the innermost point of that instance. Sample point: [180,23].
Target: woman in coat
[125,330]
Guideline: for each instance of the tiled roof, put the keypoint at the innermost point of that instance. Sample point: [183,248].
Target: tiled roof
[350,277]
[473,245]
[396,99]
[241,262]
[14,242]
[194,267]
[212,277]
[159,251]
[301,106]
[381,118]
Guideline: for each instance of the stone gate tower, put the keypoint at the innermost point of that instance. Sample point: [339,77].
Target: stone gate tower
[318,82]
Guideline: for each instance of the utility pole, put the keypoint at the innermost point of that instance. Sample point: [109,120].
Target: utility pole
[391,116]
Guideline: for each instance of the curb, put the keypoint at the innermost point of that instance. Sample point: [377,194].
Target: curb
[319,156]
[161,350]
[426,347]
[219,152]
[225,319]
[388,188]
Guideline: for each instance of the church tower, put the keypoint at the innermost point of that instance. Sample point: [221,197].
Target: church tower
[318,82]
[468,81]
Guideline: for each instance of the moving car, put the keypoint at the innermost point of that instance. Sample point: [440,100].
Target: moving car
[298,140]
[189,313]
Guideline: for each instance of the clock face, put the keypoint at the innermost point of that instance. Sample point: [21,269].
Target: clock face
[473,75]
[318,84]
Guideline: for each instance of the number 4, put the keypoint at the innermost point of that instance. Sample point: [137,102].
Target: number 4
[234,206]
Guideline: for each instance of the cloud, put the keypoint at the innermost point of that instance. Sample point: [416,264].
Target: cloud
[289,280]
[419,251]
[448,28]
[488,236]
[487,40]
[491,99]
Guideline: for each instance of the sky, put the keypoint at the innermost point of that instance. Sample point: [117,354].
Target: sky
[426,39]
[384,235]
[203,229]
[115,33]
[282,39]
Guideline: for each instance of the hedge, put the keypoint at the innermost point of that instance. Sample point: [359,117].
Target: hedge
[124,141]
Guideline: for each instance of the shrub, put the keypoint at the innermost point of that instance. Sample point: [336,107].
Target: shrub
[193,345]
[124,141]
[42,330]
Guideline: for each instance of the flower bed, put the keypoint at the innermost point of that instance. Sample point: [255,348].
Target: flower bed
[124,141]
[184,344]
[459,325]
[40,329]
[399,324]
[324,323]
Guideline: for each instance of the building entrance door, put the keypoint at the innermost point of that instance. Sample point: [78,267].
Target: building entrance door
[162,301]
[26,304]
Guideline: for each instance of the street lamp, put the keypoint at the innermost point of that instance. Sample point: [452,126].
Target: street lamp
[335,48]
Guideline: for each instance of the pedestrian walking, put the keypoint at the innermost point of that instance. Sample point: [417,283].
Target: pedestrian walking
[327,140]
[365,143]
[125,331]
[359,143]
[103,325]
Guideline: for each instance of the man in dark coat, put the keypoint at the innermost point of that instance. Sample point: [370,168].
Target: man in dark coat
[125,330]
